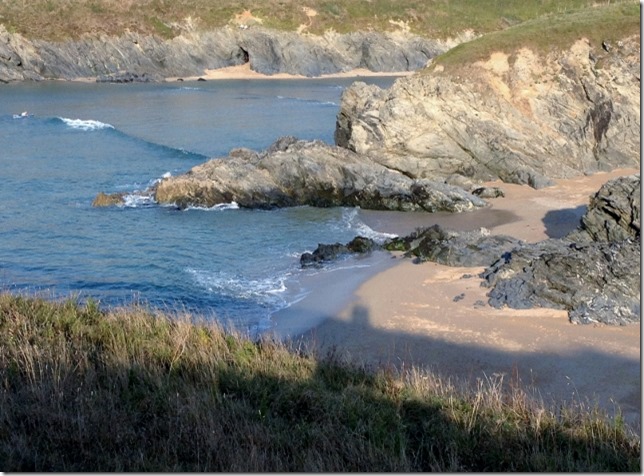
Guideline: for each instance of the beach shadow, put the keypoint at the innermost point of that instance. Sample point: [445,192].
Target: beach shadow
[232,417]
[576,378]
[561,222]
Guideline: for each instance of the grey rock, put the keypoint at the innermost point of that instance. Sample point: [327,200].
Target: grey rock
[293,172]
[126,77]
[595,282]
[594,272]
[488,192]
[190,54]
[614,212]
[526,121]
[472,248]
[326,253]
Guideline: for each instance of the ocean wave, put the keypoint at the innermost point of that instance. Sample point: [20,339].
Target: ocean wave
[241,287]
[310,101]
[90,125]
[86,124]
[351,221]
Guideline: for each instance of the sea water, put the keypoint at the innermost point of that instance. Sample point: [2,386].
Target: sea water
[236,265]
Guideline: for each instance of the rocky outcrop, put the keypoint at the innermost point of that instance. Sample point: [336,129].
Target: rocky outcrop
[327,253]
[595,282]
[613,213]
[523,118]
[267,51]
[470,248]
[594,272]
[293,172]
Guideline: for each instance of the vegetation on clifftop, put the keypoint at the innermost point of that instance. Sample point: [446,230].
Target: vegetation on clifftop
[65,19]
[601,24]
[126,390]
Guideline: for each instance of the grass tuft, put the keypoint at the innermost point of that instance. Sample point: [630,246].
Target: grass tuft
[128,390]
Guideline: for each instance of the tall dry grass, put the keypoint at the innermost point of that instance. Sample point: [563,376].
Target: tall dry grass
[128,390]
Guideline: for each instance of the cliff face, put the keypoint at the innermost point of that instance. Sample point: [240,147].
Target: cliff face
[522,118]
[267,51]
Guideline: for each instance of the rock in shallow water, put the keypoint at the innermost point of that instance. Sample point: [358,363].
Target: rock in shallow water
[293,172]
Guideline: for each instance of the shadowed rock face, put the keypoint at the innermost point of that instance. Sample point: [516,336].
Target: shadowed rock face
[267,51]
[293,172]
[526,119]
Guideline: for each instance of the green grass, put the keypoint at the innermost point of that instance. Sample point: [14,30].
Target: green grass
[551,33]
[64,19]
[127,390]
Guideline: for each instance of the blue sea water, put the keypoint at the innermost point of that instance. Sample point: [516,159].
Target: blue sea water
[236,265]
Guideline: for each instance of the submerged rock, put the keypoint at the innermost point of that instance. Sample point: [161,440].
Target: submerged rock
[108,199]
[292,172]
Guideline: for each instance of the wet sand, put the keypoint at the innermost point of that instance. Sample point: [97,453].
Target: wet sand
[437,317]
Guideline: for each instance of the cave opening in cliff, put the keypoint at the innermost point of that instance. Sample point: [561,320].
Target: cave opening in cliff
[245,55]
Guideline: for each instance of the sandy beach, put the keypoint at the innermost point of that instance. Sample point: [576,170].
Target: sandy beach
[245,72]
[437,317]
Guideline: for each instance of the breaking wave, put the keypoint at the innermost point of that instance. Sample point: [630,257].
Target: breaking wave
[85,124]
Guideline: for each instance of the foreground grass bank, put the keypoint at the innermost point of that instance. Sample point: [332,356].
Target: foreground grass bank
[85,390]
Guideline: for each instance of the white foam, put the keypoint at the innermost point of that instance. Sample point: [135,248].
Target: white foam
[86,124]
[351,221]
[217,208]
[137,200]
[311,101]
[238,286]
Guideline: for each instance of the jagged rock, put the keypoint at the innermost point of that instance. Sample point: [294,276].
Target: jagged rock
[108,200]
[325,253]
[595,282]
[613,213]
[267,51]
[471,248]
[594,272]
[523,119]
[293,172]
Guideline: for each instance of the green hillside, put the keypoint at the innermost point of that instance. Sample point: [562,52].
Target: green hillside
[64,19]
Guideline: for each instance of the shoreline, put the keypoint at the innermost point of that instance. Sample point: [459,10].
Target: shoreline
[437,317]
[245,72]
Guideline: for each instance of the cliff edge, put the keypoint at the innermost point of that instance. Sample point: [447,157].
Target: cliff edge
[523,117]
